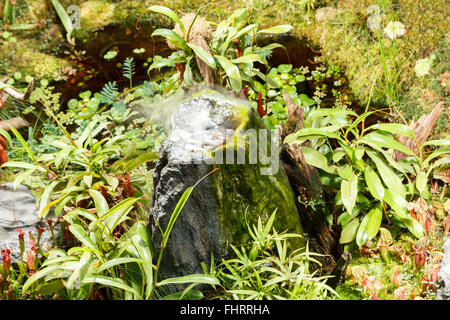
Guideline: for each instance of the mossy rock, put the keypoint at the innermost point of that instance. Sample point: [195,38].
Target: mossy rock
[28,60]
[221,206]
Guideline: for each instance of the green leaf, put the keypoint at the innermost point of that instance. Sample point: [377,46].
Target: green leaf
[385,142]
[374,183]
[192,294]
[171,14]
[338,155]
[369,226]
[349,191]
[119,261]
[113,283]
[65,19]
[359,152]
[140,160]
[82,236]
[348,234]
[116,214]
[392,181]
[6,135]
[436,143]
[440,162]
[100,202]
[172,37]
[19,164]
[395,201]
[38,275]
[87,132]
[176,212]
[82,212]
[232,72]
[436,153]
[277,29]
[411,224]
[232,36]
[46,198]
[158,64]
[310,133]
[62,156]
[45,210]
[325,112]
[202,54]
[316,159]
[50,288]
[87,179]
[345,172]
[24,144]
[357,121]
[79,272]
[192,278]
[395,128]
[421,181]
[250,58]
[144,251]
[22,177]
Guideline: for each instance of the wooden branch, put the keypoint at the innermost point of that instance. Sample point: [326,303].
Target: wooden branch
[16,123]
[306,185]
[14,93]
[339,271]
[198,33]
[296,116]
[422,129]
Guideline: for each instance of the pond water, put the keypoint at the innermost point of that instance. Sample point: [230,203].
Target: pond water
[96,70]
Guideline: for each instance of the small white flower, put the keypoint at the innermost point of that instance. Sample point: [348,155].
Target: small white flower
[394,29]
[423,66]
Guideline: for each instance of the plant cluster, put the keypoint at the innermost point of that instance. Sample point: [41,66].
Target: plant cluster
[91,164]
[398,266]
[357,162]
[231,52]
[268,268]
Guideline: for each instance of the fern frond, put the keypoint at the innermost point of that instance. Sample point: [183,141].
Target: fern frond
[128,70]
[109,93]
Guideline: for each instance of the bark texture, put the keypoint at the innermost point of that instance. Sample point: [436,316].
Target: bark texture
[306,184]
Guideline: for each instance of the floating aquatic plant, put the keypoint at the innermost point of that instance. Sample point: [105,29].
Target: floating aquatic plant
[110,55]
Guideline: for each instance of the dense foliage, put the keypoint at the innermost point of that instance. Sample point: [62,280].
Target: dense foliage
[90,161]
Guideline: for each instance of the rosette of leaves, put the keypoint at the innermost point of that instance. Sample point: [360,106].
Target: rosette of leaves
[232,53]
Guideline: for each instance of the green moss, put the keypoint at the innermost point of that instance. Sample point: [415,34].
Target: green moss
[26,58]
[427,91]
[346,41]
[348,291]
[262,194]
[97,14]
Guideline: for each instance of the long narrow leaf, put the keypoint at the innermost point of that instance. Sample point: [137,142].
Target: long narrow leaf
[171,14]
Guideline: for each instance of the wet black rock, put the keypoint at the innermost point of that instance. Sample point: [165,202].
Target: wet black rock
[220,206]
